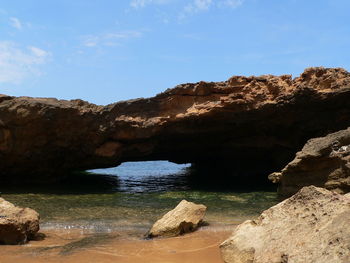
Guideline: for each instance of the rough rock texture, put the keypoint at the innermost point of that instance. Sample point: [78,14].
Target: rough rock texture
[322,162]
[184,218]
[253,124]
[311,226]
[17,225]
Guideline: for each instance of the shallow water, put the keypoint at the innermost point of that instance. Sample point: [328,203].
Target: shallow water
[132,196]
[72,246]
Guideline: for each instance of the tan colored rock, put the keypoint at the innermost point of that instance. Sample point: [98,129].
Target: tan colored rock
[17,225]
[311,226]
[185,217]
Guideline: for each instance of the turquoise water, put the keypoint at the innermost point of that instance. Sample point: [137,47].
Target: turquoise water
[134,195]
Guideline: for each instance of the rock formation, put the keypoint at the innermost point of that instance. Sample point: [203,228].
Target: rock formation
[17,225]
[251,125]
[184,218]
[311,226]
[323,162]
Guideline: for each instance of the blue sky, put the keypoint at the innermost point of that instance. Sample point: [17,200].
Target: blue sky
[109,50]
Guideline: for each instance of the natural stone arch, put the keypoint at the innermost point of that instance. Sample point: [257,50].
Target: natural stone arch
[249,124]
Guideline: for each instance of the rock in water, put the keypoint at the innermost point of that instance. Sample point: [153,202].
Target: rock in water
[17,225]
[185,217]
[323,162]
[311,226]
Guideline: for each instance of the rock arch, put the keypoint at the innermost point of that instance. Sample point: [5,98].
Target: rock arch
[247,124]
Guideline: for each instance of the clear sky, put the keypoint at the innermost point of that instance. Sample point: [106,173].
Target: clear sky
[109,50]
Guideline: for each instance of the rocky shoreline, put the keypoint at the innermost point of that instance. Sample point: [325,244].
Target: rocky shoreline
[251,126]
[310,226]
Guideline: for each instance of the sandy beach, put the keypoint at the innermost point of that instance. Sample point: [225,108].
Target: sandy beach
[72,246]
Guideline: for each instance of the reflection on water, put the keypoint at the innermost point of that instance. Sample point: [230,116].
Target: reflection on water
[132,196]
[144,177]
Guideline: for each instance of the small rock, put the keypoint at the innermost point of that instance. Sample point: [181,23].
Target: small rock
[185,217]
[311,226]
[275,177]
[17,225]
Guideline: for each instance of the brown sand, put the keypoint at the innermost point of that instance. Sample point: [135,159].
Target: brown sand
[73,246]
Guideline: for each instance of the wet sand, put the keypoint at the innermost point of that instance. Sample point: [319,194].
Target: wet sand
[73,246]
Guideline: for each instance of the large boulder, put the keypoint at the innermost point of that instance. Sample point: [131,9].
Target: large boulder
[311,226]
[263,120]
[185,217]
[323,162]
[17,225]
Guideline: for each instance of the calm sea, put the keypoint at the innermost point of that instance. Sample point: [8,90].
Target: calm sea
[134,195]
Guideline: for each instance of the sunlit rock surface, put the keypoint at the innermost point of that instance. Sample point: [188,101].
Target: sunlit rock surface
[251,125]
[311,226]
[184,218]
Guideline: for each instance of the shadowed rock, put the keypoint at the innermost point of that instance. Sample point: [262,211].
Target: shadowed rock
[323,162]
[17,225]
[311,226]
[247,125]
[184,218]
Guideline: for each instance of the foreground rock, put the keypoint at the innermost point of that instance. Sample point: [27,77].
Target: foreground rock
[233,124]
[311,226]
[322,162]
[17,225]
[184,218]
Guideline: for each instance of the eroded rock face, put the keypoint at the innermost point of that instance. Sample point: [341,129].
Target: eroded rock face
[311,226]
[323,162]
[254,124]
[184,218]
[17,225]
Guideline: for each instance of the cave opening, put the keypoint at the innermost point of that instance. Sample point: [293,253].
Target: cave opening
[153,177]
[163,176]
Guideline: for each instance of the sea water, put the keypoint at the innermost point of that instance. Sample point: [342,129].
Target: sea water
[132,196]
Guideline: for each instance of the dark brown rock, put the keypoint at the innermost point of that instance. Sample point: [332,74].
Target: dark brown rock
[323,162]
[254,125]
[17,225]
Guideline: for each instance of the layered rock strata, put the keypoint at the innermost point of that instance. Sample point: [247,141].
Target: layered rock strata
[323,162]
[251,125]
[311,226]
